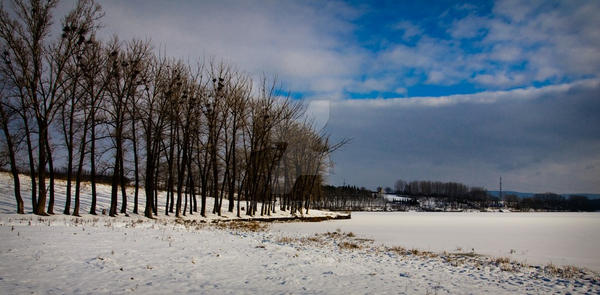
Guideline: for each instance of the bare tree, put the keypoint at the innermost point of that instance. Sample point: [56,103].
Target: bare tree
[92,64]
[78,28]
[200,130]
[6,114]
[40,65]
[125,79]
[153,109]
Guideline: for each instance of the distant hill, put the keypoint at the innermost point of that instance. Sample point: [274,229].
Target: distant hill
[527,195]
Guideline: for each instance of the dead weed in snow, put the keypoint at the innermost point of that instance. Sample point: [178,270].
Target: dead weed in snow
[252,226]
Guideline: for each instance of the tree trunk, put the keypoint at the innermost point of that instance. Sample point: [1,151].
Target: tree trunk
[215,176]
[13,162]
[123,185]
[192,190]
[69,142]
[116,177]
[114,189]
[32,174]
[170,159]
[149,182]
[155,184]
[41,204]
[82,145]
[233,169]
[93,160]
[135,170]
[180,169]
[51,176]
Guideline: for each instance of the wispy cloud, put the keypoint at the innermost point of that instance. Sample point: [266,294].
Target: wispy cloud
[515,44]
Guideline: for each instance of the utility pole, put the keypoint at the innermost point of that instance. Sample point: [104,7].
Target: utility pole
[500,187]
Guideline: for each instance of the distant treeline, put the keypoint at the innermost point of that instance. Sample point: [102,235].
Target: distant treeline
[348,198]
[453,193]
[424,195]
[552,202]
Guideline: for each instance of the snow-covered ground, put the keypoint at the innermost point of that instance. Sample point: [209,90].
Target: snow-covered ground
[534,238]
[8,203]
[60,254]
[98,254]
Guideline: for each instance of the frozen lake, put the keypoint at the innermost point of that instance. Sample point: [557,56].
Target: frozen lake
[535,238]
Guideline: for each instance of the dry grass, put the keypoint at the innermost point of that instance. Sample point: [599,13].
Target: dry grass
[189,224]
[422,253]
[285,240]
[313,240]
[505,264]
[333,235]
[348,246]
[253,226]
[344,241]
[501,260]
[465,254]
[398,250]
[134,222]
[566,271]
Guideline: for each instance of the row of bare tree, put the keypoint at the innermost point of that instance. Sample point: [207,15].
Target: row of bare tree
[151,121]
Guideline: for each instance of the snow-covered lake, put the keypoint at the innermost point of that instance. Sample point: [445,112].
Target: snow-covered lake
[535,238]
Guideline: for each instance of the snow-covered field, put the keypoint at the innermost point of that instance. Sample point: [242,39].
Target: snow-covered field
[100,255]
[58,255]
[8,203]
[534,238]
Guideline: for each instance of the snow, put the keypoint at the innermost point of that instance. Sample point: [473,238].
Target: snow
[57,254]
[8,203]
[98,254]
[534,238]
[396,198]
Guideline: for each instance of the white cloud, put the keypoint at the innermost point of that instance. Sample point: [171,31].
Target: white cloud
[518,44]
[373,84]
[557,40]
[439,61]
[409,30]
[506,53]
[485,97]
[313,47]
[401,91]
[500,79]
[302,43]
[468,27]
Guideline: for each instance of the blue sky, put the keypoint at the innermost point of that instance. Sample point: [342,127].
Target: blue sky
[440,90]
[376,49]
[386,25]
[445,48]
